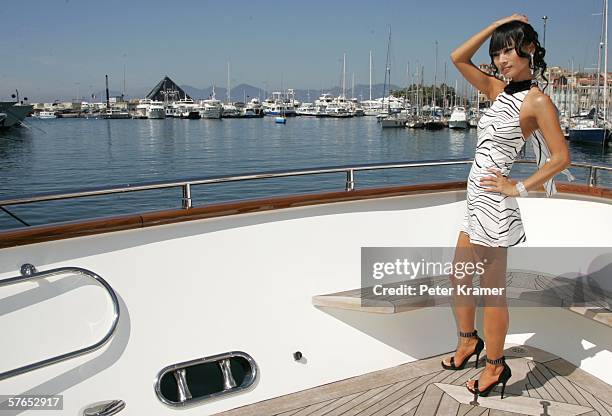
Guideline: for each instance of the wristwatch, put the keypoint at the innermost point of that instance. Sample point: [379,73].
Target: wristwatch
[520,187]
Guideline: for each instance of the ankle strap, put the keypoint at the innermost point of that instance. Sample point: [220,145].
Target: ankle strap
[499,360]
[468,334]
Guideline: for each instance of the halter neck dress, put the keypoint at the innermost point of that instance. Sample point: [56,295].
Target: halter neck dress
[493,219]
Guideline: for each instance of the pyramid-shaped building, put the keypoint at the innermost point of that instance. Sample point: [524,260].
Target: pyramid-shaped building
[167,90]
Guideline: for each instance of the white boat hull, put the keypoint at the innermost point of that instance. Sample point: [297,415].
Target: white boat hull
[393,122]
[156,113]
[457,124]
[246,282]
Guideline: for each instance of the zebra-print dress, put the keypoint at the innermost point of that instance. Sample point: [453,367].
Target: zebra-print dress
[492,218]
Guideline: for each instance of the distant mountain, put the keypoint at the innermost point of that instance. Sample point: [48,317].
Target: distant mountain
[242,91]
[238,92]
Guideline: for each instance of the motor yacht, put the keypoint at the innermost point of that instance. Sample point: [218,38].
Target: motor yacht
[211,107]
[115,113]
[46,114]
[156,110]
[307,109]
[458,118]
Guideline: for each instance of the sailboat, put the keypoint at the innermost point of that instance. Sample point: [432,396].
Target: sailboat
[435,121]
[593,129]
[390,120]
[113,112]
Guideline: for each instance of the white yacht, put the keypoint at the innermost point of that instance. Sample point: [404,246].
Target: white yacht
[372,107]
[184,108]
[156,110]
[339,107]
[142,108]
[115,113]
[323,101]
[307,109]
[337,110]
[356,108]
[458,118]
[279,104]
[230,110]
[46,114]
[211,107]
[253,109]
[150,109]
[257,307]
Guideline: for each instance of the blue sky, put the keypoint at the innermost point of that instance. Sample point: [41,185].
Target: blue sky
[52,49]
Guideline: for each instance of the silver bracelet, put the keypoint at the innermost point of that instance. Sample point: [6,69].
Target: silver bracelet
[520,187]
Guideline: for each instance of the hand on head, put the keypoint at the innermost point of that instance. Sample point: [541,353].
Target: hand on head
[515,16]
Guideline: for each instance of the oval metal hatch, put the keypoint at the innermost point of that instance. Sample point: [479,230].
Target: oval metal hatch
[198,380]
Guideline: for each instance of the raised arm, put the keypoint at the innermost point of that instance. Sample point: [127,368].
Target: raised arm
[462,58]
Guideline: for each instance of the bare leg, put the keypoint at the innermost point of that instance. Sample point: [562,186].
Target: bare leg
[464,306]
[496,317]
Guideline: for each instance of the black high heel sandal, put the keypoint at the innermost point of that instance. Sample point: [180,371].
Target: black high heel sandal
[503,378]
[477,350]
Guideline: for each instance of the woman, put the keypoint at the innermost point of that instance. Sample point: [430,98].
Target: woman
[520,111]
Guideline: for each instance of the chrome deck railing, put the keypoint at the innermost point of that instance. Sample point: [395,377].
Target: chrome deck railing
[29,272]
[188,183]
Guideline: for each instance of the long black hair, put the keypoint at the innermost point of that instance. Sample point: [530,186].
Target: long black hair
[519,34]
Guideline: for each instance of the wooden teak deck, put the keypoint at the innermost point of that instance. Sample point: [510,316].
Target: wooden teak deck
[541,384]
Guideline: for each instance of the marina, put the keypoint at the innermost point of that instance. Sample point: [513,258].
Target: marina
[68,154]
[577,96]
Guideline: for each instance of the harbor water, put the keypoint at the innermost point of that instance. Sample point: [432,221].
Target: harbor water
[58,155]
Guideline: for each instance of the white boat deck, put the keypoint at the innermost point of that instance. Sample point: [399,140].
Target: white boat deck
[541,384]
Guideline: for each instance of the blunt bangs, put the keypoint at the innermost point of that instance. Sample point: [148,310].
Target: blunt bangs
[505,36]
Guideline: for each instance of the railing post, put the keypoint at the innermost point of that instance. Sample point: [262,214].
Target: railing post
[187,196]
[350,180]
[592,176]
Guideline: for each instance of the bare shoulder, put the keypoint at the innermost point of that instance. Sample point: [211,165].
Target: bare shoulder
[536,102]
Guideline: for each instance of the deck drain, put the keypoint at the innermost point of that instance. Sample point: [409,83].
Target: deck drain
[518,350]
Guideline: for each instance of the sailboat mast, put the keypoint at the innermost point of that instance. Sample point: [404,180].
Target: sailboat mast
[433,100]
[571,104]
[407,82]
[123,93]
[444,101]
[598,92]
[605,37]
[229,94]
[422,91]
[370,75]
[343,75]
[388,72]
[107,97]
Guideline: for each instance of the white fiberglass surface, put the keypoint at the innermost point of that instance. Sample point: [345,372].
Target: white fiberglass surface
[245,282]
[45,318]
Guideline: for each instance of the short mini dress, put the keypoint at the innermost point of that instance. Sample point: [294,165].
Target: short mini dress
[493,219]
